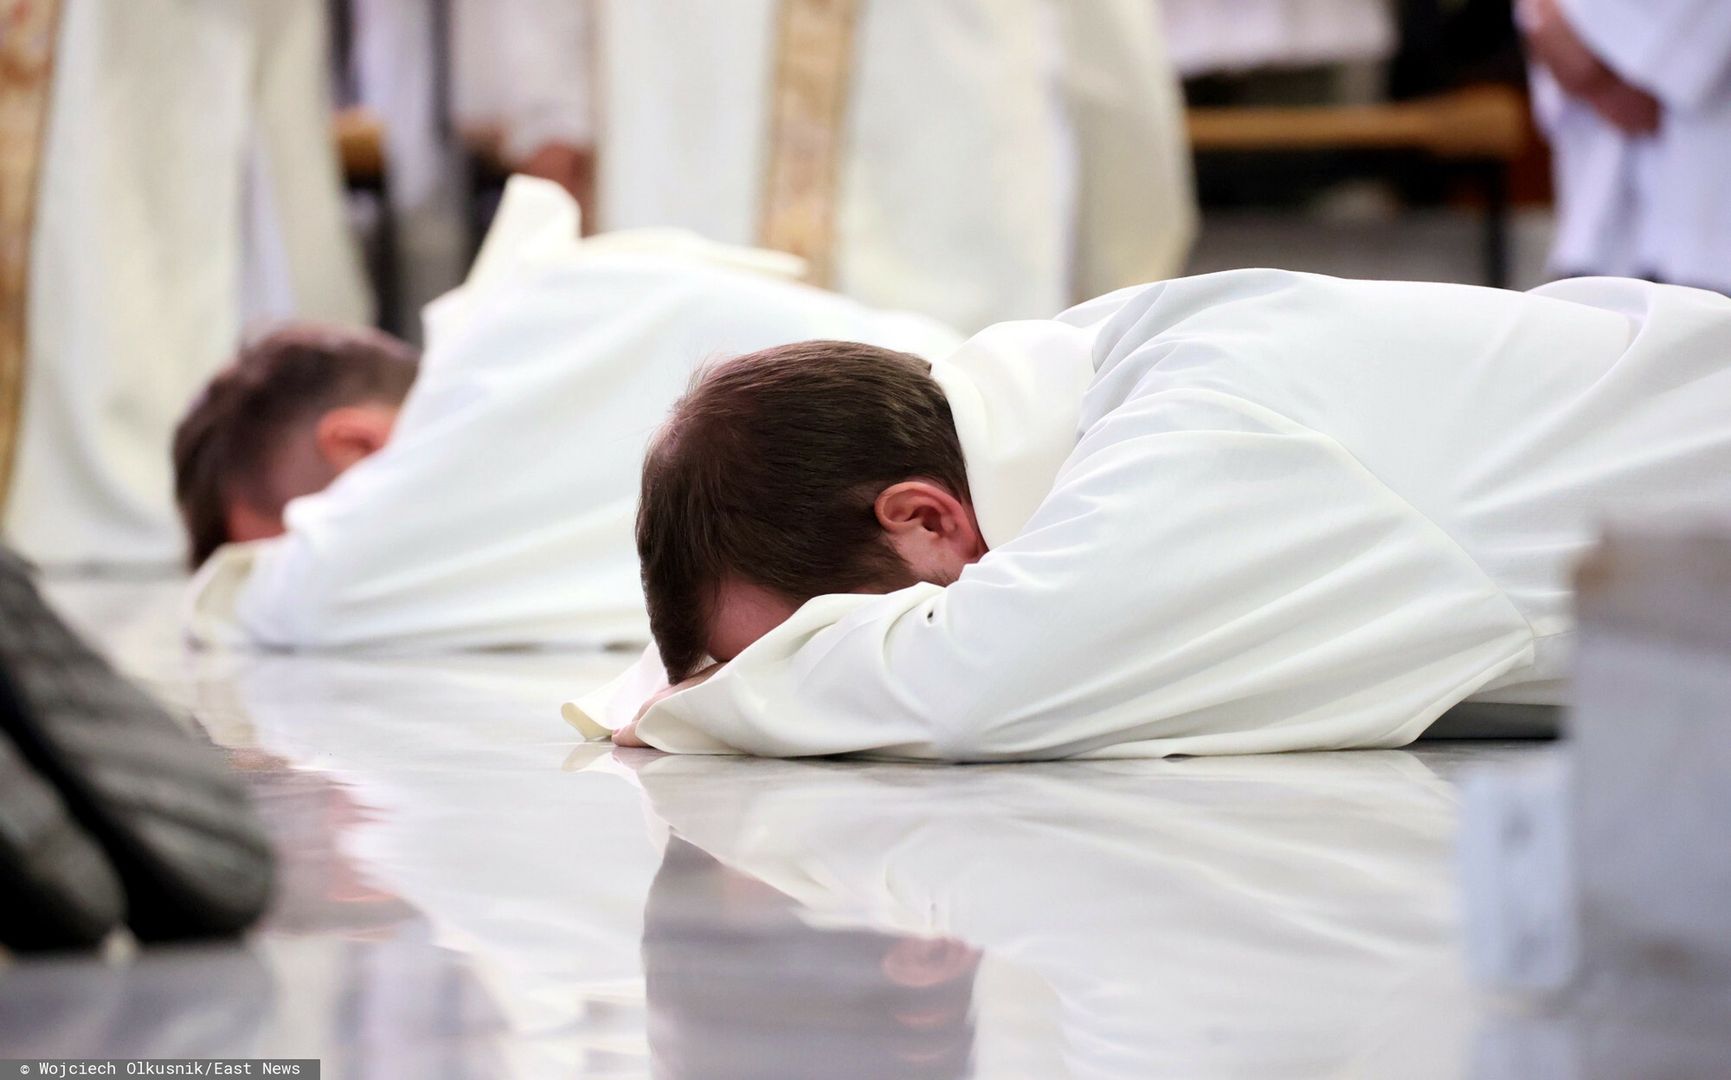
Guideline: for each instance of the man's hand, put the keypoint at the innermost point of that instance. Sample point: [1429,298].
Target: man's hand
[627,735]
[1555,45]
[572,168]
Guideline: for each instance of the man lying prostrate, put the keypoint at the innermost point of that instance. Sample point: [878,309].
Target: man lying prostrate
[1254,511]
[487,498]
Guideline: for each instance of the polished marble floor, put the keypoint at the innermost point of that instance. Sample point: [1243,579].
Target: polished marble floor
[468,890]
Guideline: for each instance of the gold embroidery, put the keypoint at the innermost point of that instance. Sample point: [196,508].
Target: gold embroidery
[808,103]
[27,34]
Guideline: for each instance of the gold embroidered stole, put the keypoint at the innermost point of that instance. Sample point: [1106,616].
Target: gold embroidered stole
[27,35]
[808,107]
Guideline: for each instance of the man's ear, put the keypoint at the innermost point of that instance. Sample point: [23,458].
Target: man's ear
[915,507]
[352,433]
[932,530]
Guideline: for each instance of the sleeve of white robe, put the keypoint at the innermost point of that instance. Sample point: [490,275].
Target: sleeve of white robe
[1206,578]
[1135,198]
[1680,50]
[546,93]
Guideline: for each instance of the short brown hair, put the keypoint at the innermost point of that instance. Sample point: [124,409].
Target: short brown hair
[227,440]
[768,471]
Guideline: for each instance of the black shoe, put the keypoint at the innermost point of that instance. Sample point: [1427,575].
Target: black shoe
[175,825]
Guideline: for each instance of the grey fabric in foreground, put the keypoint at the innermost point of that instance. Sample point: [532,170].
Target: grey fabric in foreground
[59,890]
[173,824]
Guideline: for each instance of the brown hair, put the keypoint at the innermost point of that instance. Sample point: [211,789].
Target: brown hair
[226,442]
[767,472]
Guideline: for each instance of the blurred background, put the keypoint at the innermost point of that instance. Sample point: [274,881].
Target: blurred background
[175,174]
[1374,138]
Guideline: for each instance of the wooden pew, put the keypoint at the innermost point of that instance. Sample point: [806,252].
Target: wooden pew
[1478,132]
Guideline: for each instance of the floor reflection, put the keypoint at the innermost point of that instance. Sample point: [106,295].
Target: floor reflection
[468,891]
[1198,918]
[534,879]
[740,985]
[342,970]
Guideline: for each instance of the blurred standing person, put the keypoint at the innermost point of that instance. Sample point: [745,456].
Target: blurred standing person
[449,78]
[1636,98]
[974,160]
[169,176]
[523,70]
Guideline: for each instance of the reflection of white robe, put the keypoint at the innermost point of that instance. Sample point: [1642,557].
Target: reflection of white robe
[1000,157]
[1301,513]
[188,183]
[1657,204]
[533,875]
[500,512]
[1269,918]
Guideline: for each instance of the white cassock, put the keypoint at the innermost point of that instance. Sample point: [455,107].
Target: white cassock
[1302,906]
[501,510]
[188,185]
[1281,512]
[976,161]
[1653,205]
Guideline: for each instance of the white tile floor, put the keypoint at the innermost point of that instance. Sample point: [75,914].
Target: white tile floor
[467,890]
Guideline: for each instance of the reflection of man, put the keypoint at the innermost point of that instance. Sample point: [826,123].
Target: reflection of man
[1248,512]
[1302,905]
[728,958]
[491,504]
[474,830]
[1637,100]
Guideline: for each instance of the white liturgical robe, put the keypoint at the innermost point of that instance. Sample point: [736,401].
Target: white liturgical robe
[1285,512]
[189,185]
[1655,204]
[500,512]
[994,159]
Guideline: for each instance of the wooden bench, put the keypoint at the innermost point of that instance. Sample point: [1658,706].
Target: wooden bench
[1478,132]
[360,136]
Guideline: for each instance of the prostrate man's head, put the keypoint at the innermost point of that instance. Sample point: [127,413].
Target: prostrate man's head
[293,411]
[822,467]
